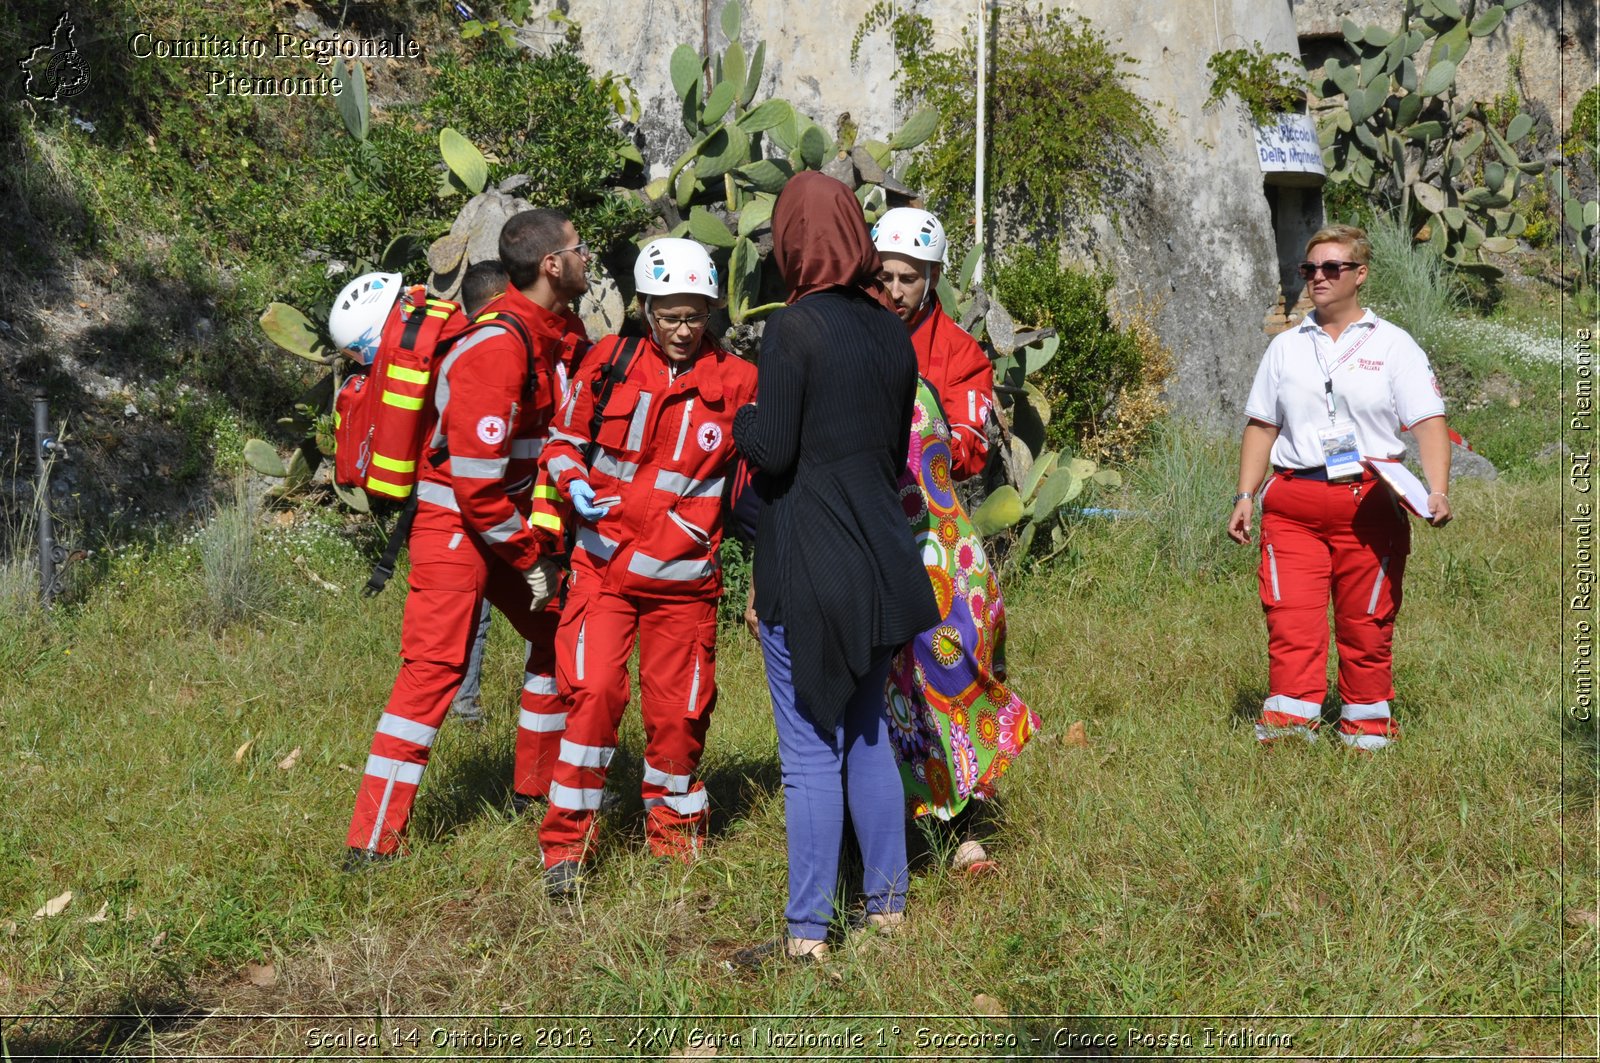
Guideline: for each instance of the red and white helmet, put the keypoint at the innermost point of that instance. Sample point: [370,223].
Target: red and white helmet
[670,265]
[356,321]
[910,232]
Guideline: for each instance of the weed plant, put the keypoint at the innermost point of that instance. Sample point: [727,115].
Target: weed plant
[1410,283]
[235,585]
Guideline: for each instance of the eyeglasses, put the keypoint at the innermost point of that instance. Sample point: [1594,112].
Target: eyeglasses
[673,324]
[1330,270]
[580,247]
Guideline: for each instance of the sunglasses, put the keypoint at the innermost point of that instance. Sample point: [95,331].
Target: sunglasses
[1330,270]
[580,247]
[673,324]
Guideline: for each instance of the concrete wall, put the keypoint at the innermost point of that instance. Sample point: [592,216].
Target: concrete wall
[1192,230]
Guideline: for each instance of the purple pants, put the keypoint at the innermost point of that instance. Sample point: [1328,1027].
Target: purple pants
[824,770]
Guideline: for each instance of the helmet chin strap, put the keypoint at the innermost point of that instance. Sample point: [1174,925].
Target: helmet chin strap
[927,286]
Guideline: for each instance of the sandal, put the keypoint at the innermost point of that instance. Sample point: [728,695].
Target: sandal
[972,859]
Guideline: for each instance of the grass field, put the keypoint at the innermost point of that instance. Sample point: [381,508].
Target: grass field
[1304,901]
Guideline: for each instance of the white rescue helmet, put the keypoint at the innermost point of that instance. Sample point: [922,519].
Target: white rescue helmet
[910,232]
[670,265]
[356,321]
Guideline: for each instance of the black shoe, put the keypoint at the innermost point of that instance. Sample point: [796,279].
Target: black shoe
[562,880]
[521,803]
[364,859]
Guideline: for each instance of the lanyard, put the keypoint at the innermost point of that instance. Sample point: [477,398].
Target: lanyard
[1327,373]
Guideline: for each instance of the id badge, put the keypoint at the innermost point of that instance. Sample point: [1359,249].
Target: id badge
[1340,455]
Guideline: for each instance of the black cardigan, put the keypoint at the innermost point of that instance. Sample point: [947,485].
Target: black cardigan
[835,561]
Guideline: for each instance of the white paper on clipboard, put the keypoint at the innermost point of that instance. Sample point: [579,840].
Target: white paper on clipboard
[1404,483]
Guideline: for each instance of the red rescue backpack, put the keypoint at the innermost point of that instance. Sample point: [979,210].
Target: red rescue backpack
[381,417]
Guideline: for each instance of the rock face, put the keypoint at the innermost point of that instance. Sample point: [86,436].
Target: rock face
[1194,232]
[1557,60]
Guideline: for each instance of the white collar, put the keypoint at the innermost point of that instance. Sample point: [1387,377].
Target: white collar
[1367,318]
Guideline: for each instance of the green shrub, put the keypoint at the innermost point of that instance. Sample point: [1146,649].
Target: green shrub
[1096,362]
[547,117]
[1585,127]
[1266,84]
[1063,124]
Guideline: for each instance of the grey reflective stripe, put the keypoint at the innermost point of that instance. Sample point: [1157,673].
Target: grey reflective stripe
[693,531]
[674,571]
[478,468]
[1377,585]
[617,469]
[577,656]
[538,684]
[400,770]
[581,756]
[641,413]
[683,432]
[438,495]
[1272,570]
[542,722]
[595,543]
[526,448]
[560,465]
[682,804]
[694,686]
[441,390]
[678,784]
[574,799]
[566,437]
[687,487]
[503,531]
[572,401]
[406,730]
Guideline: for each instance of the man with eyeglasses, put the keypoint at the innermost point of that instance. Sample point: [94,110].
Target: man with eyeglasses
[477,533]
[643,447]
[1325,411]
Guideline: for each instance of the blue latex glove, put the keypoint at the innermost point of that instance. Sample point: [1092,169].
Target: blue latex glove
[582,495]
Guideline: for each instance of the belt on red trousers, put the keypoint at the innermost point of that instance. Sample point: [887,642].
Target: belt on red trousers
[1321,474]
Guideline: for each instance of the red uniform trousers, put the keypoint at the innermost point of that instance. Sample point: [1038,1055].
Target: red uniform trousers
[451,573]
[677,692]
[1350,539]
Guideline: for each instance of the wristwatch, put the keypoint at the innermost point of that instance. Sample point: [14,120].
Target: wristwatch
[1240,497]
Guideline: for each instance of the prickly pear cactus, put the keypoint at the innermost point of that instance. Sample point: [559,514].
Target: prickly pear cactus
[1405,136]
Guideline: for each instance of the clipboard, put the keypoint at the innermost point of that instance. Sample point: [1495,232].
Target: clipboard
[1411,492]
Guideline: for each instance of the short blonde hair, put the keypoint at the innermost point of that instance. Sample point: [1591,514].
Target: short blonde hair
[1352,236]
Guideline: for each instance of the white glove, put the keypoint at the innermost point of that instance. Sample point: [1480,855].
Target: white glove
[543,579]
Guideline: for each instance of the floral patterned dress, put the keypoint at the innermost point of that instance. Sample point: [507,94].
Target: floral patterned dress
[954,724]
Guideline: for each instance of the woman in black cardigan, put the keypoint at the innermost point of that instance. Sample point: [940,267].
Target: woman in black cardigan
[839,583]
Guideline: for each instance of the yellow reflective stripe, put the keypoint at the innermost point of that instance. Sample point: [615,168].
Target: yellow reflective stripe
[546,491]
[434,312]
[393,465]
[405,402]
[545,520]
[410,376]
[337,420]
[396,490]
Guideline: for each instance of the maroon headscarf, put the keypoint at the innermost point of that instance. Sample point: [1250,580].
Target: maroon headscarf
[820,239]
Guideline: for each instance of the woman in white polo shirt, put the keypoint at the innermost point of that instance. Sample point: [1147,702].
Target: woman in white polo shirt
[1329,398]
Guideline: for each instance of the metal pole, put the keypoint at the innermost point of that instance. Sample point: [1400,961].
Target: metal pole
[985,7]
[43,446]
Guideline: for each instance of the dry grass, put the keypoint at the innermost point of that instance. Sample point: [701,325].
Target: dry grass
[1171,867]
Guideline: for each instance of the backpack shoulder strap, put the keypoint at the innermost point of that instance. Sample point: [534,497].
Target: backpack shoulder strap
[614,370]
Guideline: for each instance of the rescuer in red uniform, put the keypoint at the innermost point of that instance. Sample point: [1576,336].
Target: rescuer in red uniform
[477,531]
[912,245]
[646,477]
